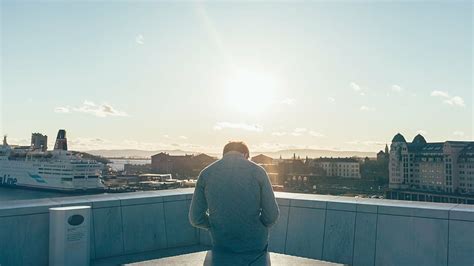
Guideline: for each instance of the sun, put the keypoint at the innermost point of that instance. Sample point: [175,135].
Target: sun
[250,92]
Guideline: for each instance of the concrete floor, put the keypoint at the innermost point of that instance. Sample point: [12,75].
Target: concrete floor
[194,255]
[198,258]
[147,256]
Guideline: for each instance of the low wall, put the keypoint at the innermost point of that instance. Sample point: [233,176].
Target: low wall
[337,229]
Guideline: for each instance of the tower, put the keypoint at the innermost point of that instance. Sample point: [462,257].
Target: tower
[398,162]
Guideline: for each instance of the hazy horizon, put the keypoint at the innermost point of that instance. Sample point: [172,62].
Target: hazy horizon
[192,76]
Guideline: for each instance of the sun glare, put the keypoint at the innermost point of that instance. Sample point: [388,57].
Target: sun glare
[250,92]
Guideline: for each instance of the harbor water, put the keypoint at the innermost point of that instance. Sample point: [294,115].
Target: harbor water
[119,164]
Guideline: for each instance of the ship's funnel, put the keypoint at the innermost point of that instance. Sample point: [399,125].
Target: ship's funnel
[61,141]
[5,140]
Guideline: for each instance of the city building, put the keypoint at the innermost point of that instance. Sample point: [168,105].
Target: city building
[270,166]
[338,167]
[262,159]
[383,155]
[39,142]
[441,167]
[287,168]
[185,166]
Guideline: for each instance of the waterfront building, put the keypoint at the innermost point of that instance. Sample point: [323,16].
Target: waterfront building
[338,167]
[441,167]
[182,165]
[134,169]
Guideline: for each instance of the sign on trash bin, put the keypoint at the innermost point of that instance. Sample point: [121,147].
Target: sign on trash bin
[69,236]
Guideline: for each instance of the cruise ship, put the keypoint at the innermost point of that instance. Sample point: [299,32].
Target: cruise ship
[37,168]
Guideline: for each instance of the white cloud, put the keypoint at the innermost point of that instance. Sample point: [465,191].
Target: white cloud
[355,87]
[397,88]
[178,138]
[365,108]
[89,103]
[139,39]
[18,141]
[458,133]
[279,134]
[455,100]
[242,126]
[88,107]
[315,134]
[61,109]
[102,110]
[267,146]
[84,144]
[440,94]
[288,101]
[298,131]
[331,99]
[366,143]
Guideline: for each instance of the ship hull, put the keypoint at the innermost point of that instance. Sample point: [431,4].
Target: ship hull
[62,176]
[55,189]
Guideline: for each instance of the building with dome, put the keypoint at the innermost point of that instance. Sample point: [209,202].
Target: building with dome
[439,167]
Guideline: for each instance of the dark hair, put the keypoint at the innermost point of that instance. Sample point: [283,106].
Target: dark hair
[238,146]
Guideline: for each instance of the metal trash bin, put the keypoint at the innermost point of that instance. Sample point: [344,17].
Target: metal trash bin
[69,236]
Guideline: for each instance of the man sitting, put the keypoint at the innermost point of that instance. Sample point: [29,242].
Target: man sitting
[234,200]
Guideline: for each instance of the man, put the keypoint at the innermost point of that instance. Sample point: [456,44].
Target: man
[234,200]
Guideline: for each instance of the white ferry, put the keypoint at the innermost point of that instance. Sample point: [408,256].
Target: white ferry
[37,168]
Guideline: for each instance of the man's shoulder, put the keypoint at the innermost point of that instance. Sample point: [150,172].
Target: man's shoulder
[221,164]
[255,166]
[256,169]
[210,167]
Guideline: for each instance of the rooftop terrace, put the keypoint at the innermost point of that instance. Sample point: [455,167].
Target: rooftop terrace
[142,226]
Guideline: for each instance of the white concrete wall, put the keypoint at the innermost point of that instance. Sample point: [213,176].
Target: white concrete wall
[371,231]
[121,224]
[338,229]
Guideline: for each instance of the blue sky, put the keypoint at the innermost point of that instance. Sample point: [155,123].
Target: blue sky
[163,75]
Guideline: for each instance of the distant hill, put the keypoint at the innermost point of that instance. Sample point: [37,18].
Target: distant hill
[311,153]
[131,153]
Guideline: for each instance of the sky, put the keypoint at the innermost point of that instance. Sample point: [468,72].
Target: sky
[344,75]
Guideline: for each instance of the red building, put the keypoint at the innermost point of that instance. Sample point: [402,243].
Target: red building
[262,159]
[269,165]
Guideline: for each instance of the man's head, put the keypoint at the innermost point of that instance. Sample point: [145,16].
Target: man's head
[238,146]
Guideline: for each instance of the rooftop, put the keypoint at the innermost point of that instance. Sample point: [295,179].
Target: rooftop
[144,226]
